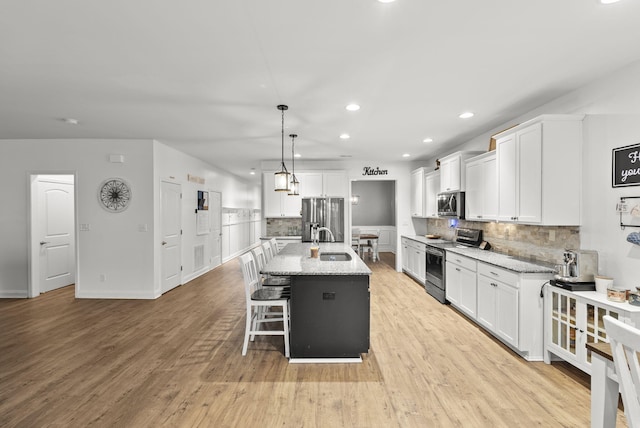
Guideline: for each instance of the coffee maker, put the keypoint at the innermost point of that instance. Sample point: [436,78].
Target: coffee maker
[577,270]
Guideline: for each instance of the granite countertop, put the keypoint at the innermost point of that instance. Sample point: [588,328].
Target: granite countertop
[500,260]
[295,259]
[293,237]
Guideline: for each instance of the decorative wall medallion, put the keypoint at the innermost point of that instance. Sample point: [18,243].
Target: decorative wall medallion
[114,195]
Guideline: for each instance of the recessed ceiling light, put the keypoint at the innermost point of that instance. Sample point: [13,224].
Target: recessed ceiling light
[406,155]
[353,107]
[609,1]
[428,140]
[345,136]
[297,155]
[70,121]
[466,115]
[253,171]
[386,1]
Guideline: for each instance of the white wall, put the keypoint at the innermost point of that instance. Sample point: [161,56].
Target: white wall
[113,246]
[175,166]
[612,108]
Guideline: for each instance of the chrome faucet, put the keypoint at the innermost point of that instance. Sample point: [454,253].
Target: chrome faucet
[331,237]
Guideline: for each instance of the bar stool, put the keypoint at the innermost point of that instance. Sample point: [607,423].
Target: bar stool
[258,300]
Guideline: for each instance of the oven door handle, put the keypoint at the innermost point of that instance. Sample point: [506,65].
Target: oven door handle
[435,252]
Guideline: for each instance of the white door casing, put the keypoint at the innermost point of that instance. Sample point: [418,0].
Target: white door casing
[215,207]
[53,234]
[171,233]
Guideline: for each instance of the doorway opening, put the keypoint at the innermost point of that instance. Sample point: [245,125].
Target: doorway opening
[52,237]
[373,211]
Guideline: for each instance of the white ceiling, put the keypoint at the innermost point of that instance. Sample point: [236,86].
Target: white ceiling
[205,76]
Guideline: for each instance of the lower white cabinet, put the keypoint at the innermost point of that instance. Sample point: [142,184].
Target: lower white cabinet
[461,290]
[498,308]
[414,259]
[574,319]
[508,304]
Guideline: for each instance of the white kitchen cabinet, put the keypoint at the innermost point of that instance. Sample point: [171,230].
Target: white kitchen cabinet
[323,183]
[539,171]
[431,190]
[452,175]
[498,308]
[511,308]
[417,193]
[405,252]
[414,259]
[461,289]
[575,319]
[278,204]
[481,194]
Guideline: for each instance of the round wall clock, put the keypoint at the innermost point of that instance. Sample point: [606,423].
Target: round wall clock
[114,195]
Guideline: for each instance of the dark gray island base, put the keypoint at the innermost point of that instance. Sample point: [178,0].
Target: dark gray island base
[330,306]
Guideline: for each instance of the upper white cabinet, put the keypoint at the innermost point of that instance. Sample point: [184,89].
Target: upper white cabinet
[278,204]
[425,187]
[539,171]
[481,197]
[452,175]
[417,193]
[431,190]
[323,184]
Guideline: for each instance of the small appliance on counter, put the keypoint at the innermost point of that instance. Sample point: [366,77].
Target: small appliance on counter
[577,271]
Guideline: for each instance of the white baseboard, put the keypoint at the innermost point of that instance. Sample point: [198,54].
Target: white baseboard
[14,294]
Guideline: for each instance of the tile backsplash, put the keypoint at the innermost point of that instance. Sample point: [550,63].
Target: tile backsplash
[284,227]
[534,243]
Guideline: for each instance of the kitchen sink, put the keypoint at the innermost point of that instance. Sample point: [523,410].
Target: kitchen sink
[335,257]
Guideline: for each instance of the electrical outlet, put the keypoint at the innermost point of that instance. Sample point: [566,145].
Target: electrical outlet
[85,227]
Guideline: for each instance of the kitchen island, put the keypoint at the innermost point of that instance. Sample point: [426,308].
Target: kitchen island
[329,302]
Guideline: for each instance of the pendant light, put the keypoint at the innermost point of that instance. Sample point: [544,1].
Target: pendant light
[295,184]
[282,177]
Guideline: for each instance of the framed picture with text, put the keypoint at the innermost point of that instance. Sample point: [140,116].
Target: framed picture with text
[626,166]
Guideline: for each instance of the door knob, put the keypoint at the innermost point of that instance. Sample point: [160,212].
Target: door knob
[44,242]
[164,242]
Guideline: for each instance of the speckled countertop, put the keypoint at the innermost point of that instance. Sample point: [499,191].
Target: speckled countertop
[292,237]
[492,258]
[295,259]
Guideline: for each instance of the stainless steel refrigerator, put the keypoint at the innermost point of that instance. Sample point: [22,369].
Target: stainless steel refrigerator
[327,212]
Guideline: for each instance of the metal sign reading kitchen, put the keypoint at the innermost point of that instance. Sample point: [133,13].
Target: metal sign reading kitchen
[367,170]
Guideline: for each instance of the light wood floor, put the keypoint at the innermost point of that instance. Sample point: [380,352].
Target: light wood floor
[176,361]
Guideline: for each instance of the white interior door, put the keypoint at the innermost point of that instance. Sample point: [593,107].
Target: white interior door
[54,233]
[170,199]
[215,207]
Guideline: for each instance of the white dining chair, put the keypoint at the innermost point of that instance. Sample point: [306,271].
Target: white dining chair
[625,347]
[355,241]
[268,251]
[258,300]
[274,246]
[282,282]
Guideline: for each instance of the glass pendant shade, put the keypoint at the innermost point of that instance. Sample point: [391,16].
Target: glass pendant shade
[295,186]
[282,180]
[282,177]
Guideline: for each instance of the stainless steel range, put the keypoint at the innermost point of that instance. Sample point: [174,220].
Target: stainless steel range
[436,258]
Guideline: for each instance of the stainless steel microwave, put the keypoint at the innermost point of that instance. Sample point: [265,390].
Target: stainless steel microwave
[451,204]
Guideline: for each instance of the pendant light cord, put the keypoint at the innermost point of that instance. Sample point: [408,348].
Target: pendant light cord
[282,156]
